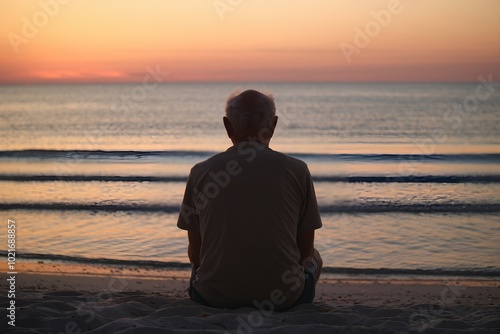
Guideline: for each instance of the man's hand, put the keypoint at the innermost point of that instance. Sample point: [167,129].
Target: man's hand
[194,247]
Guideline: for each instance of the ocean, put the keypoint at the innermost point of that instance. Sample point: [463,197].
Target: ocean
[407,175]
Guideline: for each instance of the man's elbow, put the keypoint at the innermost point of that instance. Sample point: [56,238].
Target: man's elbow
[194,247]
[305,243]
[194,255]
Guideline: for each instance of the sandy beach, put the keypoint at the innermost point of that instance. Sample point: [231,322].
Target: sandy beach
[63,298]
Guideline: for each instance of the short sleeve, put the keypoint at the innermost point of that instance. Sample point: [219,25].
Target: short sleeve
[310,218]
[188,215]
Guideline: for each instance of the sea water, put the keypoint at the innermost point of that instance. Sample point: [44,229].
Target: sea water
[407,175]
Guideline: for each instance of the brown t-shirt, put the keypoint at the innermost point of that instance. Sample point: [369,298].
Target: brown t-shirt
[248,204]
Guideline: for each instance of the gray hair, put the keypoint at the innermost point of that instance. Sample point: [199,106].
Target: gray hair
[250,112]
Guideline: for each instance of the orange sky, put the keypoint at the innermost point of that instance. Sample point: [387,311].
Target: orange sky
[249,40]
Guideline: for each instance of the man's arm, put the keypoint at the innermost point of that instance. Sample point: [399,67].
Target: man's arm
[305,242]
[194,247]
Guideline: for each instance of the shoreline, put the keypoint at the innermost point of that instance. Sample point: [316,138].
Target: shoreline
[57,267]
[54,270]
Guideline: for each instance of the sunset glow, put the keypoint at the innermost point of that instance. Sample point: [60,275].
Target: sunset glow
[257,40]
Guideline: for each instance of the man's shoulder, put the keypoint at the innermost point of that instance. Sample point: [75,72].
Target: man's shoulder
[291,161]
[210,163]
[202,165]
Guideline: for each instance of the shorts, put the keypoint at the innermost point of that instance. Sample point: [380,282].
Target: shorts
[311,274]
[307,296]
[193,294]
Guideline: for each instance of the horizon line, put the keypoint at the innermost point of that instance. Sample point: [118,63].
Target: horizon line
[238,81]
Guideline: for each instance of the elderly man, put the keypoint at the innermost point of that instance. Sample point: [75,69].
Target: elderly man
[250,213]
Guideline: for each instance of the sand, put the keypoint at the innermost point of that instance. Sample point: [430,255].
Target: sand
[57,298]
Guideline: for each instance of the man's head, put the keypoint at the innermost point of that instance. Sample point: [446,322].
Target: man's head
[250,115]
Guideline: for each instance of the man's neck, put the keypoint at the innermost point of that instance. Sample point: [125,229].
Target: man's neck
[251,141]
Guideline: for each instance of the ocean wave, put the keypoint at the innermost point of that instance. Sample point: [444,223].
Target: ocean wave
[349,179]
[326,209]
[132,154]
[89,178]
[468,272]
[100,154]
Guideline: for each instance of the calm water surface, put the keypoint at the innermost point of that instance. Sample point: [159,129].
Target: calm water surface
[404,180]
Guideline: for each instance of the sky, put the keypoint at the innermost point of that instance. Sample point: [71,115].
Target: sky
[61,41]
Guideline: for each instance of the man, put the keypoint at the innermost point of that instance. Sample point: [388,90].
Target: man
[250,213]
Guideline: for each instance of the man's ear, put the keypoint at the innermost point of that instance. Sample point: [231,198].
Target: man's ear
[228,126]
[266,134]
[273,123]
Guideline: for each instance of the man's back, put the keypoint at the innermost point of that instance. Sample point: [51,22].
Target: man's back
[248,204]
